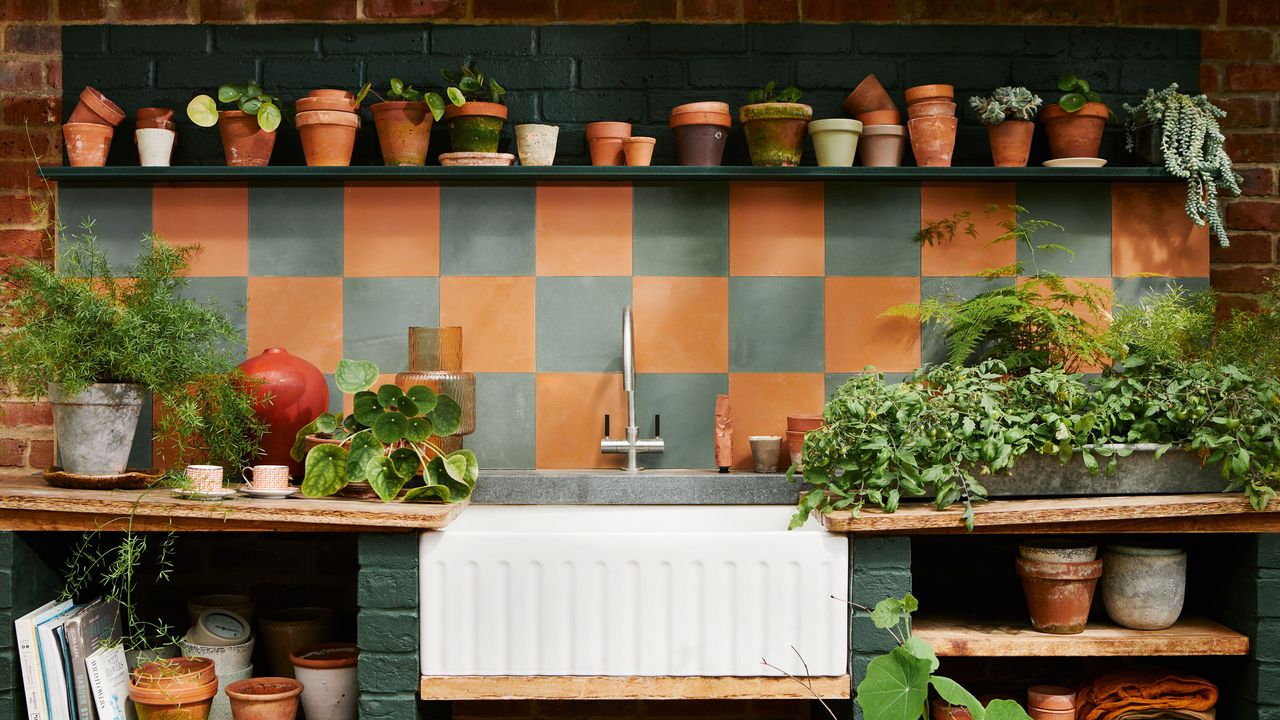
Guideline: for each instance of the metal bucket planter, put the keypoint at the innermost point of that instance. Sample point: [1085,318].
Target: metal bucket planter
[95,427]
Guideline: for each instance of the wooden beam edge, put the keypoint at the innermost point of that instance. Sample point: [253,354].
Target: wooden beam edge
[630,687]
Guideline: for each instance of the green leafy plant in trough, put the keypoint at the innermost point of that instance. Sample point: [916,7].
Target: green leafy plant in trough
[1006,103]
[469,84]
[386,441]
[769,94]
[399,91]
[1076,93]
[249,98]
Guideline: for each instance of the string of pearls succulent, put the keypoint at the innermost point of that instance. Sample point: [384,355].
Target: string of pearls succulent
[1006,102]
[1193,147]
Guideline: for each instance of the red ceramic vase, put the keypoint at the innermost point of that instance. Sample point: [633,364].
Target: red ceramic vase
[298,393]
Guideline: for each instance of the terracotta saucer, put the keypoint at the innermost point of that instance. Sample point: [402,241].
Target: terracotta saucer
[131,479]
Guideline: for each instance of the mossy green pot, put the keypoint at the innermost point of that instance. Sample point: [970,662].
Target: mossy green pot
[775,132]
[475,126]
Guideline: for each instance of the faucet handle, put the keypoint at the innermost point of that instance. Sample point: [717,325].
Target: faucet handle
[657,425]
[606,425]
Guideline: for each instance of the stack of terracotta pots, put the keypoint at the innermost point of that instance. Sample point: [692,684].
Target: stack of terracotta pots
[932,122]
[883,136]
[179,689]
[798,426]
[701,129]
[1051,702]
[1058,579]
[327,121]
[605,142]
[155,131]
[89,130]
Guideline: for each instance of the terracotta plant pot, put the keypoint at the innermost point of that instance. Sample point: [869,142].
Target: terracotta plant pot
[804,422]
[795,446]
[166,703]
[265,698]
[244,144]
[181,673]
[1011,142]
[604,140]
[775,132]
[154,113]
[700,136]
[835,141]
[940,709]
[334,100]
[475,126]
[1144,587]
[1062,551]
[404,131]
[639,150]
[536,144]
[155,124]
[328,676]
[94,107]
[931,108]
[1050,697]
[328,137]
[286,630]
[883,145]
[707,106]
[1077,134]
[87,143]
[923,93]
[868,96]
[155,146]
[933,139]
[880,117]
[608,128]
[1059,594]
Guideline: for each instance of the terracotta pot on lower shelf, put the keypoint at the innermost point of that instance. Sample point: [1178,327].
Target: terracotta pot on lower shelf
[244,143]
[1011,142]
[404,131]
[882,145]
[700,135]
[475,126]
[264,698]
[328,137]
[94,107]
[1059,595]
[1074,134]
[174,704]
[804,422]
[328,676]
[87,143]
[940,709]
[180,673]
[284,631]
[775,132]
[933,139]
[639,150]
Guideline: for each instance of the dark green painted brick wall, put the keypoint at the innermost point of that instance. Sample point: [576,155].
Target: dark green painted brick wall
[387,626]
[27,581]
[571,74]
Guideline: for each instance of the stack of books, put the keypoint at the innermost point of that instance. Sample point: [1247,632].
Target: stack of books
[73,666]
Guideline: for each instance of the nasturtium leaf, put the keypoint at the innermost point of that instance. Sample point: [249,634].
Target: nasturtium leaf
[367,410]
[429,493]
[352,376]
[364,447]
[203,111]
[407,407]
[327,422]
[268,117]
[446,416]
[325,471]
[384,479]
[1004,710]
[950,691]
[406,462]
[909,603]
[418,430]
[895,688]
[422,396]
[887,613]
[229,93]
[388,394]
[300,440]
[919,647]
[391,427]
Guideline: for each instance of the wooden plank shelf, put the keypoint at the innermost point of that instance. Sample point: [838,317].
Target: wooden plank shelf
[610,687]
[27,503]
[1193,513]
[968,638]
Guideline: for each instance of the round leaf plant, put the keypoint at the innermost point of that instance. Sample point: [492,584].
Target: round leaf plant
[249,98]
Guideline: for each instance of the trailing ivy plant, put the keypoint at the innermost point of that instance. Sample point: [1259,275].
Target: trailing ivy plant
[386,441]
[399,91]
[1006,103]
[469,84]
[1194,149]
[1076,93]
[769,94]
[249,98]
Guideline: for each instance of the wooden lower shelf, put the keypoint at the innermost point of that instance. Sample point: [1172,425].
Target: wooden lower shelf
[967,638]
[612,687]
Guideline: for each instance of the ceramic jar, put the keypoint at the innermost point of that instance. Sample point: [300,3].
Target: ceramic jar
[1144,587]
[882,145]
[835,141]
[328,676]
[298,394]
[241,605]
[536,144]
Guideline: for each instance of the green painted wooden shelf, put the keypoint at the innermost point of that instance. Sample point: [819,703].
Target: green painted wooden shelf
[669,173]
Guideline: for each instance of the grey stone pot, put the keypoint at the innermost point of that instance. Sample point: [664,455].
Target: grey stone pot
[95,428]
[1144,587]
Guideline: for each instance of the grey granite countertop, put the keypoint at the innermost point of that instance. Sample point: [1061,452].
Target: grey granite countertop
[647,487]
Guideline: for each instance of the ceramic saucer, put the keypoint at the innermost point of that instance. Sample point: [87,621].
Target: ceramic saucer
[1080,162]
[272,494]
[188,494]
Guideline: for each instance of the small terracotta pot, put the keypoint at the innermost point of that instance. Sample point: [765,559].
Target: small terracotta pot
[536,144]
[334,100]
[155,124]
[882,145]
[932,108]
[244,143]
[182,673]
[933,139]
[166,703]
[868,96]
[94,107]
[264,698]
[922,93]
[708,106]
[1011,142]
[1058,550]
[87,143]
[1051,697]
[475,126]
[775,132]
[607,151]
[327,137]
[1077,134]
[639,150]
[608,129]
[1059,594]
[1043,714]
[404,131]
[154,113]
[804,422]
[940,709]
[795,446]
[701,118]
[880,117]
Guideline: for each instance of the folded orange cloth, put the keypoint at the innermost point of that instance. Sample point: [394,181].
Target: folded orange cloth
[1111,697]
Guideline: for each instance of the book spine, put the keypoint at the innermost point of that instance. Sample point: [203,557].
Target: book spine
[93,669]
[80,678]
[30,664]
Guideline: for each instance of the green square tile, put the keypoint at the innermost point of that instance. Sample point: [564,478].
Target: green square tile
[775,324]
[335,395]
[580,323]
[680,229]
[835,380]
[1129,290]
[687,404]
[230,296]
[870,228]
[121,217]
[378,312]
[1084,212]
[295,230]
[487,229]
[933,342]
[504,436]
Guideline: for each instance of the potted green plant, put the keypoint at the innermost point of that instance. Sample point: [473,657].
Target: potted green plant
[248,131]
[775,122]
[1074,124]
[1009,114]
[1182,133]
[477,110]
[327,122]
[403,118]
[386,442]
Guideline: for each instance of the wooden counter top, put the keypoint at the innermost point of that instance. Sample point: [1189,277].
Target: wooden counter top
[951,637]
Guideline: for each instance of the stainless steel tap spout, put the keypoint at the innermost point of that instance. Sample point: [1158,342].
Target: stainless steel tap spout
[632,443]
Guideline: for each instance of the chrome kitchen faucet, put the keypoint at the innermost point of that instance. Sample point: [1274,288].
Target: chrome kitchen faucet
[632,444]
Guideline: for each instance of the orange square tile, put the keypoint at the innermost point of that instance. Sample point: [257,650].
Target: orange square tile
[497,317]
[583,229]
[300,314]
[857,333]
[681,324]
[966,255]
[776,228]
[390,230]
[761,402]
[215,217]
[1151,233]
[570,419]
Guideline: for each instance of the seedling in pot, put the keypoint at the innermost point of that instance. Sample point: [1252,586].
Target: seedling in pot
[1076,93]
[767,94]
[399,92]
[468,84]
[249,98]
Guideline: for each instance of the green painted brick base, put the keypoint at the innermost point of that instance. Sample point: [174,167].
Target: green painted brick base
[879,568]
[387,626]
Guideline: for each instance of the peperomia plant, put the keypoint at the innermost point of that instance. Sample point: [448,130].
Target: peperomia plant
[1076,93]
[1006,103]
[397,90]
[767,94]
[386,441]
[468,84]
[249,98]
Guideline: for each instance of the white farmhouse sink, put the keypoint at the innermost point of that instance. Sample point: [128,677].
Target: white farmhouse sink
[632,590]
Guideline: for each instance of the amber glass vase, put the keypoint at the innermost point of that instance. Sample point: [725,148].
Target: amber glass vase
[435,360]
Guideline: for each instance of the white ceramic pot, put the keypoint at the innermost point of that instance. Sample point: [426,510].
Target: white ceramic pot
[226,658]
[155,146]
[329,683]
[536,144]
[220,708]
[219,627]
[835,141]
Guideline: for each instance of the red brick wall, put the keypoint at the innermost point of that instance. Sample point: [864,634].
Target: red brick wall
[1240,71]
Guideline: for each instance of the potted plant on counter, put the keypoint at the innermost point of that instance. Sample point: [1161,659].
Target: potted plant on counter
[1074,124]
[1009,114]
[404,117]
[775,122]
[1181,132]
[386,442]
[476,112]
[249,131]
